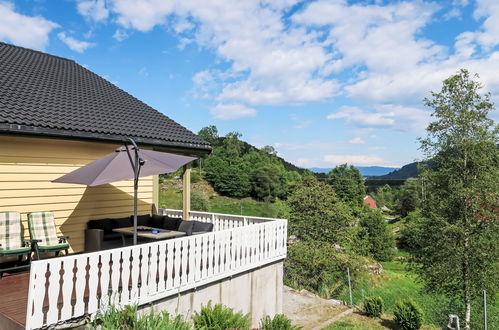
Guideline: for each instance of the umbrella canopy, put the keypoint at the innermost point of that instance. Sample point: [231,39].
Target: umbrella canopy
[120,165]
[117,166]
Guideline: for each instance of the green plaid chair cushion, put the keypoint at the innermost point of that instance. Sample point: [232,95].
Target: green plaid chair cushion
[42,227]
[10,232]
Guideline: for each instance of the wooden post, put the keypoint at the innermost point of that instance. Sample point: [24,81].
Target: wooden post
[155,194]
[186,193]
[349,286]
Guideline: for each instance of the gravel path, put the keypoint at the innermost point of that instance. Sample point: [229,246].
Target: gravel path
[309,310]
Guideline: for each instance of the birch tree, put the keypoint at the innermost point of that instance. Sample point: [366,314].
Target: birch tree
[457,241]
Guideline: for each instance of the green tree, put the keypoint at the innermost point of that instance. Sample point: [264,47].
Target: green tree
[409,196]
[228,179]
[268,183]
[385,196]
[320,267]
[348,184]
[316,213]
[456,250]
[210,134]
[380,239]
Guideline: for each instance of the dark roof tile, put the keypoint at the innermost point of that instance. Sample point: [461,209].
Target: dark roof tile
[39,90]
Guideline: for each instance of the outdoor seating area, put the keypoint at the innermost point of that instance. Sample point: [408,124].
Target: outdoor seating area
[69,287]
[43,238]
[102,234]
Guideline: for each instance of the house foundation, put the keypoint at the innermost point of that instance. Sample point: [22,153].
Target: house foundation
[257,292]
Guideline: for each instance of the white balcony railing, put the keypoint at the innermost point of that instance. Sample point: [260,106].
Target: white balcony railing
[65,288]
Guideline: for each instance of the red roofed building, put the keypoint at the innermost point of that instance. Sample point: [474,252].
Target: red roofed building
[369,201]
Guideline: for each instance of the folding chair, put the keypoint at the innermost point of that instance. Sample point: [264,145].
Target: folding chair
[44,235]
[11,240]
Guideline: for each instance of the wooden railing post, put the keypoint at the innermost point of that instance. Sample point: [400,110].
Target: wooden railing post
[186,192]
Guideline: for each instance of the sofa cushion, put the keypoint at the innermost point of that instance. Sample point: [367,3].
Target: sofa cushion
[112,237]
[142,220]
[156,221]
[122,222]
[104,224]
[186,226]
[170,223]
[202,226]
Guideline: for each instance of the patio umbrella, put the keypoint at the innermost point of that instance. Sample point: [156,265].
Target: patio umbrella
[121,165]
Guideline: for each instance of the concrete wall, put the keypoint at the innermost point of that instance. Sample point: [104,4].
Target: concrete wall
[258,292]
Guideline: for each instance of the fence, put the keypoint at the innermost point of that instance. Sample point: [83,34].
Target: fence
[74,286]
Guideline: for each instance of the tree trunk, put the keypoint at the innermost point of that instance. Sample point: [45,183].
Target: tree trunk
[466,284]
[466,264]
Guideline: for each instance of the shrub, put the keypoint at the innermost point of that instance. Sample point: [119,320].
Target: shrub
[219,317]
[320,267]
[379,236]
[373,306]
[408,315]
[126,319]
[279,322]
[162,321]
[198,201]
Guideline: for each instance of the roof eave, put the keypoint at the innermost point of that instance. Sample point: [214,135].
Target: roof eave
[16,129]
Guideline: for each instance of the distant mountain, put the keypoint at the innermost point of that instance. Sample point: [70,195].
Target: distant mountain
[366,171]
[406,172]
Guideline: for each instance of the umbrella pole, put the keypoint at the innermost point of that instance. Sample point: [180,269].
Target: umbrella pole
[135,198]
[135,193]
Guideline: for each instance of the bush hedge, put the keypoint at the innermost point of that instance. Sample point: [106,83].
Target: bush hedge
[279,322]
[373,306]
[408,315]
[220,317]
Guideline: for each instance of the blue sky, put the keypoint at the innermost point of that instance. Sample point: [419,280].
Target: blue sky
[323,82]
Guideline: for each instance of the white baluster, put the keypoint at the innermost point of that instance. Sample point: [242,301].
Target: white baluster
[53,292]
[152,281]
[125,278]
[169,265]
[104,278]
[93,272]
[134,292]
[67,288]
[81,264]
[162,267]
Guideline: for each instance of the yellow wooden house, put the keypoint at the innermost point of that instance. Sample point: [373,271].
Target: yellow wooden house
[55,116]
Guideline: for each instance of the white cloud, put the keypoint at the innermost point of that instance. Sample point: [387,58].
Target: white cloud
[74,44]
[365,160]
[120,35]
[21,30]
[488,36]
[357,140]
[95,10]
[271,58]
[275,63]
[314,145]
[232,111]
[362,118]
[142,15]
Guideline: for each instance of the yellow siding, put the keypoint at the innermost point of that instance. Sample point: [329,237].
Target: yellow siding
[27,167]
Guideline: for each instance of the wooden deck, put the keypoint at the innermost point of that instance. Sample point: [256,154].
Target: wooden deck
[13,300]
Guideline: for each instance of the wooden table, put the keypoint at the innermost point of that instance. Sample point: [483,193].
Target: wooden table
[146,232]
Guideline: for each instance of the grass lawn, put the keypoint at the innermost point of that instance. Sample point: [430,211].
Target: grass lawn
[396,283]
[357,321]
[172,199]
